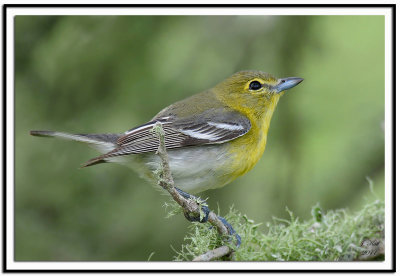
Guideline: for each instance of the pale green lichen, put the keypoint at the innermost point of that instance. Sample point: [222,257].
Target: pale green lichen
[333,236]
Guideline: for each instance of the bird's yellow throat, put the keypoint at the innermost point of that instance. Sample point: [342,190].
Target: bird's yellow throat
[248,149]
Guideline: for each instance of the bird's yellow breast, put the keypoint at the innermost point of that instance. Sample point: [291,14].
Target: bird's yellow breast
[248,149]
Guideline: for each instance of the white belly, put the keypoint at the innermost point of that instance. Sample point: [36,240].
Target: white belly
[194,169]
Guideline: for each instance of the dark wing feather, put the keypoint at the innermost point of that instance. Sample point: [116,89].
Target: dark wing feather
[211,127]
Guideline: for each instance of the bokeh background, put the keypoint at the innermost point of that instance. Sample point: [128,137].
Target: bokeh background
[93,74]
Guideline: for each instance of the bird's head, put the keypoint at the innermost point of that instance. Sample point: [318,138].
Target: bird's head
[254,91]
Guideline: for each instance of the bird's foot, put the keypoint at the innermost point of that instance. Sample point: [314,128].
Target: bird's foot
[205,212]
[204,208]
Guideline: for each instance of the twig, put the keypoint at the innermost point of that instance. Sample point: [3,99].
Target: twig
[213,254]
[189,205]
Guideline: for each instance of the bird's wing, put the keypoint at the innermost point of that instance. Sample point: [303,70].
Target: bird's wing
[211,127]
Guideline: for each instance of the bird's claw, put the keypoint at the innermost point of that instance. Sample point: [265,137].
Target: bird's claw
[204,209]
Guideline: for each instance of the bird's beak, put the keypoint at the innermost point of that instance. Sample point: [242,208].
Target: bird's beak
[287,83]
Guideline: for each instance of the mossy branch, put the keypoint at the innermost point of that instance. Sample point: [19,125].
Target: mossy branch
[190,206]
[329,236]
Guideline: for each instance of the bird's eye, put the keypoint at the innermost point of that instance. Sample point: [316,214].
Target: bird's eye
[255,85]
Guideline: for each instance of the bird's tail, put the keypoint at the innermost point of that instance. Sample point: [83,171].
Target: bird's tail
[102,142]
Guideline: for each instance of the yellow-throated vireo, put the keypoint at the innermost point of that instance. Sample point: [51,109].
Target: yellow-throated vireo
[212,137]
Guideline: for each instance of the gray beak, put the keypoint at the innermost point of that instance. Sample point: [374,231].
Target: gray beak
[287,83]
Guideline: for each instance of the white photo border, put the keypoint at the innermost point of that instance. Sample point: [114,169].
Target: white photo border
[10,11]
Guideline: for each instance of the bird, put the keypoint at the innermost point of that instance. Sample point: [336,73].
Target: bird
[212,137]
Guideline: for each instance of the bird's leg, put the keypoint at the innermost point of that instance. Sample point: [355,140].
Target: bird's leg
[206,212]
[231,231]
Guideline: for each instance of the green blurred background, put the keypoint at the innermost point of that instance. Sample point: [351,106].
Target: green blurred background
[98,74]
